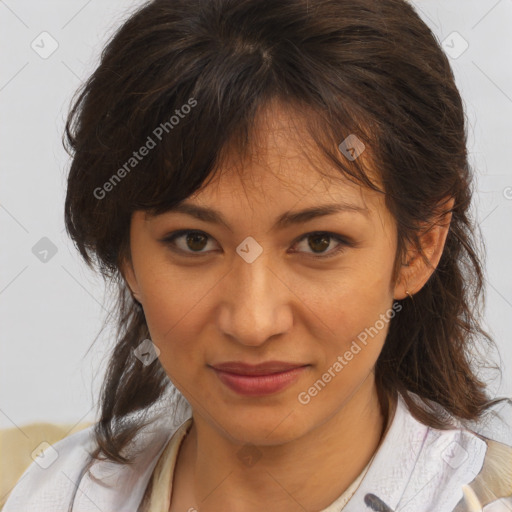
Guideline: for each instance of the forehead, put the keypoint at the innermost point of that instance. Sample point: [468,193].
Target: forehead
[281,163]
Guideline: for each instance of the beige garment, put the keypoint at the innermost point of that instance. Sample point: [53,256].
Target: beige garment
[159,492]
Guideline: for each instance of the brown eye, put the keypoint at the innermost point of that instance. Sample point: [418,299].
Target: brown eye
[191,242]
[320,241]
[196,241]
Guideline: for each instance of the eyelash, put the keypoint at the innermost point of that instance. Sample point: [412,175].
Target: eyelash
[344,243]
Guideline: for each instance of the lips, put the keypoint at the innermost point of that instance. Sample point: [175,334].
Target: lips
[266,368]
[260,379]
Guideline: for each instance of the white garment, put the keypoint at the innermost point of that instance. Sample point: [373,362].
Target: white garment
[415,469]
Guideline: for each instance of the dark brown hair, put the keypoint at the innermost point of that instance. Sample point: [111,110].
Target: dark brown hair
[192,75]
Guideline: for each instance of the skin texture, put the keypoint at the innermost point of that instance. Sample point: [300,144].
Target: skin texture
[286,305]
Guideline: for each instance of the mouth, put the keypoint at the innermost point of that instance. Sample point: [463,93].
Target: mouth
[258,380]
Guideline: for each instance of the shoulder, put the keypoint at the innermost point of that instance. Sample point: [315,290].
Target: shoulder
[419,468]
[473,470]
[470,464]
[492,486]
[75,481]
[48,483]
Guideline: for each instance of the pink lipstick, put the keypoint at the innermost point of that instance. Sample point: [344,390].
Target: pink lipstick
[258,380]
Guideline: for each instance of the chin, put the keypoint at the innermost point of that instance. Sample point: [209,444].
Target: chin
[262,428]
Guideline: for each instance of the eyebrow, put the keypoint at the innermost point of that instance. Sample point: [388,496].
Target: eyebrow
[284,220]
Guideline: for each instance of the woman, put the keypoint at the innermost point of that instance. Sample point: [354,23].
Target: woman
[280,192]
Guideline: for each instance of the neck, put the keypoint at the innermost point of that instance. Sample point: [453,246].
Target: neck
[307,473]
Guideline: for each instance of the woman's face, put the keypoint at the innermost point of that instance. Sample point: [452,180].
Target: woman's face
[260,286]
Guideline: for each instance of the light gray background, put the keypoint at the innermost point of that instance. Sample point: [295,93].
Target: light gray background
[51,311]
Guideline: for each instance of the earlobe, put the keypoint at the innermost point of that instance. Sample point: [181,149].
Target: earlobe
[418,268]
[126,269]
[404,286]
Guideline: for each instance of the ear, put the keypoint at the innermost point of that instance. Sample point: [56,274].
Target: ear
[415,271]
[128,273]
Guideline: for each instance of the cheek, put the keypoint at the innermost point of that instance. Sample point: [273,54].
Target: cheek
[357,308]
[358,317]
[355,295]
[174,307]
[171,316]
[169,293]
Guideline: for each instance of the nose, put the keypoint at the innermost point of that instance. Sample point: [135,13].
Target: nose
[256,302]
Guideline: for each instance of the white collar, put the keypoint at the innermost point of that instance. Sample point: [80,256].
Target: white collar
[415,468]
[114,487]
[419,468]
